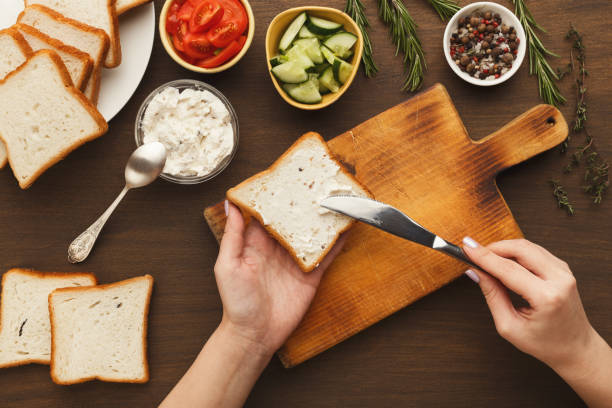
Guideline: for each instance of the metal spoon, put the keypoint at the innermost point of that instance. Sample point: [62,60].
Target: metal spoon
[143,167]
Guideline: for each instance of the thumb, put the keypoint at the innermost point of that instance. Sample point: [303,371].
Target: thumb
[232,242]
[498,301]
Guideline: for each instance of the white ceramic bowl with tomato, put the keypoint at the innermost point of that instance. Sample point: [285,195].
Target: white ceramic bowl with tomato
[206,36]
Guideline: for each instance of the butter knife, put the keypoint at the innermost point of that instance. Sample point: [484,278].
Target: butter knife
[393,221]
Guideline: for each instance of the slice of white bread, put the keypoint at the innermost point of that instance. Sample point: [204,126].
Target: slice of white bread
[25,331]
[123,6]
[285,199]
[43,117]
[91,40]
[14,51]
[96,13]
[77,62]
[100,332]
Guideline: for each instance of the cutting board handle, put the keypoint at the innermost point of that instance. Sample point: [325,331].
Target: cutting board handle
[535,131]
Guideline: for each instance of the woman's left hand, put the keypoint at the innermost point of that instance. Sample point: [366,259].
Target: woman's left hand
[264,292]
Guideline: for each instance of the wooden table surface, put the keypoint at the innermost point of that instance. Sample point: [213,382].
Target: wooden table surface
[441,351]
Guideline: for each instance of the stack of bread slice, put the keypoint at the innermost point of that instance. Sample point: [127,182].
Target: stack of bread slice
[80,38]
[82,330]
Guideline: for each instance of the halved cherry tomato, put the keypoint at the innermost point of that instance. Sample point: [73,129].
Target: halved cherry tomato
[198,47]
[207,14]
[178,39]
[225,55]
[231,26]
[185,11]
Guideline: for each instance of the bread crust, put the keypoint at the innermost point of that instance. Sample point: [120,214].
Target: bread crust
[55,43]
[103,126]
[115,40]
[75,24]
[144,332]
[95,80]
[128,7]
[27,51]
[248,210]
[42,275]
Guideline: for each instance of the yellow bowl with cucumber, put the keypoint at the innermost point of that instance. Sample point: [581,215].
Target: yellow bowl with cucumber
[313,54]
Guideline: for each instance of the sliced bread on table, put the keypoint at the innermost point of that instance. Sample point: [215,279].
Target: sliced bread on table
[100,332]
[96,13]
[285,199]
[25,331]
[14,51]
[123,6]
[77,62]
[91,40]
[43,117]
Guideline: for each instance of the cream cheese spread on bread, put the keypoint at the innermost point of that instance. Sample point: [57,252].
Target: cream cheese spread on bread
[194,126]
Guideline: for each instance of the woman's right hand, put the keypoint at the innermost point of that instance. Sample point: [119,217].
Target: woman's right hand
[554,327]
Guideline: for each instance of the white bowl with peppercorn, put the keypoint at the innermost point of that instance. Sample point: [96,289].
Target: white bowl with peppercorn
[484,43]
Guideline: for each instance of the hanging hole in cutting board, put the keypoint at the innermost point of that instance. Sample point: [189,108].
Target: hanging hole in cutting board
[551,121]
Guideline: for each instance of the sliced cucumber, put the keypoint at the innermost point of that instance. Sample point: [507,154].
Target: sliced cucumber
[312,48]
[307,92]
[291,32]
[320,26]
[279,59]
[320,68]
[323,89]
[341,44]
[342,70]
[290,72]
[298,55]
[306,33]
[327,54]
[328,81]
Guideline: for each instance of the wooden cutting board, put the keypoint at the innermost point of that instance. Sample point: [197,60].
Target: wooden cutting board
[418,157]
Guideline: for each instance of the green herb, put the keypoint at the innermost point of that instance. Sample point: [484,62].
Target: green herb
[596,177]
[403,34]
[561,196]
[355,9]
[445,8]
[538,65]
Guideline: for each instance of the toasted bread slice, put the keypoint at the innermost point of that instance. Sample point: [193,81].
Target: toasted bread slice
[93,41]
[123,6]
[14,51]
[96,13]
[285,199]
[100,332]
[43,117]
[25,331]
[77,62]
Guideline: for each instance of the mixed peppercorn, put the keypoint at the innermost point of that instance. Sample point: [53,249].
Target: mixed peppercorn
[483,46]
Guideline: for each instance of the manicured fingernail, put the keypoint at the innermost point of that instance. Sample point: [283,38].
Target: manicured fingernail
[226,206]
[470,242]
[472,275]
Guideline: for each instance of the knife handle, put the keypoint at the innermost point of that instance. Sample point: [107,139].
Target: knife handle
[454,251]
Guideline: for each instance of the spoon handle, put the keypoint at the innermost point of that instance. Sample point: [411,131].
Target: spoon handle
[80,248]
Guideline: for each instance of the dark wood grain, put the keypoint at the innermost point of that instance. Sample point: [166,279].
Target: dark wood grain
[440,351]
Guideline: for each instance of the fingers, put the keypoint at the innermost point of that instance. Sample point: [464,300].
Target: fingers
[501,307]
[510,273]
[532,256]
[232,242]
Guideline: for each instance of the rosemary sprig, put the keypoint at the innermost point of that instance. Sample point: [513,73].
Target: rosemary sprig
[403,34]
[445,8]
[561,196]
[596,175]
[356,10]
[538,65]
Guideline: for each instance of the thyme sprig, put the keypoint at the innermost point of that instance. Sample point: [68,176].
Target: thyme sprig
[403,34]
[561,196]
[445,8]
[538,64]
[356,10]
[596,175]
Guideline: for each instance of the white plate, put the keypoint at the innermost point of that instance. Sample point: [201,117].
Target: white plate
[137,31]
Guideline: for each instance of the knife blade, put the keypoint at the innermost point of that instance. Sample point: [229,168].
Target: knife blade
[393,221]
